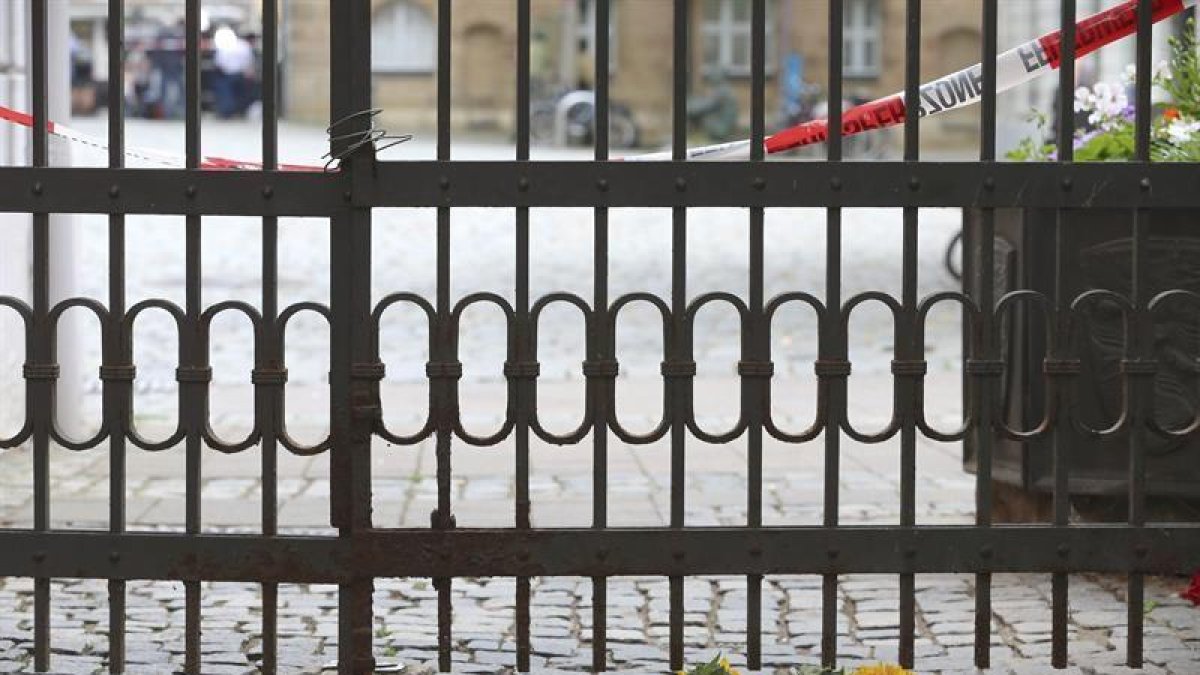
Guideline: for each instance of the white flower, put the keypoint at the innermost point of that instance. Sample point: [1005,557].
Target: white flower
[1162,71]
[1107,103]
[1181,131]
[1084,100]
[1130,74]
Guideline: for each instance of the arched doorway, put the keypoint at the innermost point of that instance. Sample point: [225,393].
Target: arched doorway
[483,93]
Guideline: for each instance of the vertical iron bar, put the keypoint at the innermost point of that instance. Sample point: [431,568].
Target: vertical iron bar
[1061,439]
[525,382]
[117,391]
[600,351]
[678,387]
[1139,384]
[907,350]
[354,386]
[443,399]
[42,357]
[833,347]
[982,347]
[192,393]
[754,385]
[269,392]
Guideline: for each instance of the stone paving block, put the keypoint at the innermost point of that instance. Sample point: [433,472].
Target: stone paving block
[75,664]
[1041,669]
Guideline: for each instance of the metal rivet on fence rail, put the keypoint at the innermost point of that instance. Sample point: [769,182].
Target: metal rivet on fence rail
[760,183]
[1146,184]
[1064,550]
[602,184]
[989,183]
[444,183]
[835,183]
[190,191]
[114,191]
[268,192]
[986,552]
[1067,183]
[523,184]
[914,183]
[681,184]
[114,556]
[37,188]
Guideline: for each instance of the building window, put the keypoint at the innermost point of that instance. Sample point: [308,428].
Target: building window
[587,31]
[725,36]
[862,38]
[403,39]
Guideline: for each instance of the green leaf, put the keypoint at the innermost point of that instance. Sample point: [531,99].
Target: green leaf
[711,668]
[1115,145]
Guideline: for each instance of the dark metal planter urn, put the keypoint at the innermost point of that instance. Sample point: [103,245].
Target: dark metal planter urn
[1099,257]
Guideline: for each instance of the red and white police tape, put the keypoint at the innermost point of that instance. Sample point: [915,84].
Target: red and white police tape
[951,92]
[149,155]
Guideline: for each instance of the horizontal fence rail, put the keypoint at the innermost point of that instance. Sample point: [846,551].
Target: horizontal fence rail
[362,552]
[613,552]
[613,184]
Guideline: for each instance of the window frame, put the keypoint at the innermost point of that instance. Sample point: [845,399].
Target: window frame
[859,30]
[726,30]
[426,65]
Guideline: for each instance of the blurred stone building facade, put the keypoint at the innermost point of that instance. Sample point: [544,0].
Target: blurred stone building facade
[484,55]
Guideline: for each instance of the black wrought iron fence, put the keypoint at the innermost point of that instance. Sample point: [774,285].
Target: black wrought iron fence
[362,552]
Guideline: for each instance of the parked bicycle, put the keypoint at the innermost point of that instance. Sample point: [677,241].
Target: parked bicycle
[715,111]
[569,118]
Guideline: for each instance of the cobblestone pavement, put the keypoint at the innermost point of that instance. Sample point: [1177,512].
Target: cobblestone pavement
[561,490]
[714,622]
[561,478]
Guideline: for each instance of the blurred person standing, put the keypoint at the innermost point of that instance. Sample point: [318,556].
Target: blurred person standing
[141,94]
[234,60]
[169,63]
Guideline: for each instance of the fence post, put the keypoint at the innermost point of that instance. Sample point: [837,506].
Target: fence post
[354,375]
[14,275]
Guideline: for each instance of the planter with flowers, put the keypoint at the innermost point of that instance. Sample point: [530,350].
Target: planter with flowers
[1099,256]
